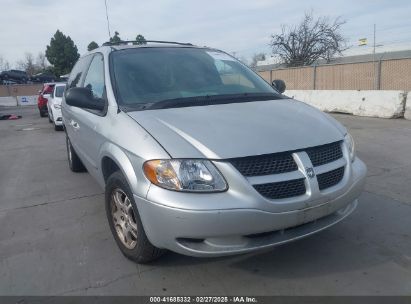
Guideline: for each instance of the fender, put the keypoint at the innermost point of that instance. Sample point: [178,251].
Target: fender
[138,183]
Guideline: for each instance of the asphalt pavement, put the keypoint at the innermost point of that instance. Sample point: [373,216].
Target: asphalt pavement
[55,240]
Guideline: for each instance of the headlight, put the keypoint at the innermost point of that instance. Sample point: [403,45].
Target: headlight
[57,106]
[185,175]
[349,141]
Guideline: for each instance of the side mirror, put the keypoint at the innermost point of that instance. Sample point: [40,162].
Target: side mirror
[279,85]
[83,98]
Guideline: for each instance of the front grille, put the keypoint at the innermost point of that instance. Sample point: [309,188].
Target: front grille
[264,164]
[325,154]
[330,178]
[284,189]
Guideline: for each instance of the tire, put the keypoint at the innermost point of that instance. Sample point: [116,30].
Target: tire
[57,128]
[74,161]
[139,248]
[42,114]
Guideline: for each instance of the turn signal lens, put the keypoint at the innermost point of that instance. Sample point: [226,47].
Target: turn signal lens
[349,141]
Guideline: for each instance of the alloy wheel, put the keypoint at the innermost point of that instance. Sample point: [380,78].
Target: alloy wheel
[124,219]
[70,156]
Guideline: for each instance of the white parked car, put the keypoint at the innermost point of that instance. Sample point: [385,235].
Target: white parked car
[54,106]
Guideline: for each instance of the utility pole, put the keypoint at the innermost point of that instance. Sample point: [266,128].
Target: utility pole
[108,22]
[373,47]
[373,59]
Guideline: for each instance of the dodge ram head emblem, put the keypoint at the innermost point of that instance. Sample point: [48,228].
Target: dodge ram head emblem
[310,172]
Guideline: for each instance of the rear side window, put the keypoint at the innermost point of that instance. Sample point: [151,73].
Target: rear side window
[77,71]
[59,91]
[94,79]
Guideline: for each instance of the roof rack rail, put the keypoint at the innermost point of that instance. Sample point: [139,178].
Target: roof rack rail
[126,42]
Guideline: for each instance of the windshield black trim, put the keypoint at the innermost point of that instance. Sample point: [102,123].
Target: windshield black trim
[199,101]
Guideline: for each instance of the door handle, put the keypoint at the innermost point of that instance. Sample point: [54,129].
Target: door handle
[74,124]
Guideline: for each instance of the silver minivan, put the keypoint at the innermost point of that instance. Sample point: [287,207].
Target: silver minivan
[199,155]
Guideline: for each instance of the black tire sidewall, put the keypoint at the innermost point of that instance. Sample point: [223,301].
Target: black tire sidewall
[70,161]
[75,164]
[117,180]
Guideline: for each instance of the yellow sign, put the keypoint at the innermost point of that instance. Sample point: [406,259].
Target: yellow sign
[362,41]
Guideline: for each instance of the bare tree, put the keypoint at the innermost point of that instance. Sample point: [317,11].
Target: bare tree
[256,57]
[33,66]
[4,64]
[243,59]
[41,62]
[309,41]
[27,64]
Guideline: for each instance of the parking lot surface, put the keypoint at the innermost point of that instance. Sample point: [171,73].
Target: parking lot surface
[55,240]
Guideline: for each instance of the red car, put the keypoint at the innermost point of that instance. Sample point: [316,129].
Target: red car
[43,98]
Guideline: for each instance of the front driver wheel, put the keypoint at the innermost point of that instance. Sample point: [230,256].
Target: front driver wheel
[125,222]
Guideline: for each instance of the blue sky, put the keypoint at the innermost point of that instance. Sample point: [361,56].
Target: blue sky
[237,26]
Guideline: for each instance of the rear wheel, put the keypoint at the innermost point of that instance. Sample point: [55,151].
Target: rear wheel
[125,222]
[75,163]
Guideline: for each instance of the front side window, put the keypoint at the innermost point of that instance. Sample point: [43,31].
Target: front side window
[77,72]
[94,79]
[154,75]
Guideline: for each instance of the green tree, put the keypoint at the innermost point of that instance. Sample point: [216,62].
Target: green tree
[140,40]
[116,38]
[62,53]
[92,45]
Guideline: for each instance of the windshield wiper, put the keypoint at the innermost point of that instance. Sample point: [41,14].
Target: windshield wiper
[210,100]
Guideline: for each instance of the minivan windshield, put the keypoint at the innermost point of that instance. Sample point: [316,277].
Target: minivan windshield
[162,77]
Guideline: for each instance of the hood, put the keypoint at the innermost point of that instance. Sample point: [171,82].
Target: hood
[239,129]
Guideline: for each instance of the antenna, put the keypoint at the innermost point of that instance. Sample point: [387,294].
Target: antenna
[108,22]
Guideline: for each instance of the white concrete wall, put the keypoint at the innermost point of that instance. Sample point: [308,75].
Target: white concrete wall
[8,101]
[384,104]
[26,100]
[407,112]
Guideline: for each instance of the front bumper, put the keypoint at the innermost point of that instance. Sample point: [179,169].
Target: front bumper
[206,233]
